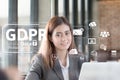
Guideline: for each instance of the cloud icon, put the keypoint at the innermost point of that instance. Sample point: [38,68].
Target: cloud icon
[92,24]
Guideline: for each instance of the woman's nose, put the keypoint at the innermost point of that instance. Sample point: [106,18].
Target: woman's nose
[63,38]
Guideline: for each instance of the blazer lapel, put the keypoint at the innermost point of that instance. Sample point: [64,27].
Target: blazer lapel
[58,70]
[71,69]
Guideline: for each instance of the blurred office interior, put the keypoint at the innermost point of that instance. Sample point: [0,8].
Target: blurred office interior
[99,20]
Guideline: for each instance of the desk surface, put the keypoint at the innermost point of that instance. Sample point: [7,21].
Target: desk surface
[100,71]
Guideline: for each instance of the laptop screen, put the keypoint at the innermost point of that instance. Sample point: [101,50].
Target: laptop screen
[100,71]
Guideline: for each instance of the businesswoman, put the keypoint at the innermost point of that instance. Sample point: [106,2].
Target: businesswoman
[54,62]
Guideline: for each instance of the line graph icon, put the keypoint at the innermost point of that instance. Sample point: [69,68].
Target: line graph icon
[78,31]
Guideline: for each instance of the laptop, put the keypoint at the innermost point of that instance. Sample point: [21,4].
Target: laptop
[100,71]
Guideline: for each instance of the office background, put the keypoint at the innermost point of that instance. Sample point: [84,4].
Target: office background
[99,20]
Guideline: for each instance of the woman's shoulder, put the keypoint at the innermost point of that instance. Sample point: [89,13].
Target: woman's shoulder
[76,56]
[74,53]
[36,57]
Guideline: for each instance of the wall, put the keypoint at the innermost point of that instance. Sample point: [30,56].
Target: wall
[109,20]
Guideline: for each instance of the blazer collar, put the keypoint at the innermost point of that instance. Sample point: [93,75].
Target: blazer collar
[57,69]
[72,75]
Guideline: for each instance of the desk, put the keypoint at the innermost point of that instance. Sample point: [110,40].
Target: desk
[100,71]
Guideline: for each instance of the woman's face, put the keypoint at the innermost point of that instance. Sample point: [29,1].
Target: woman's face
[62,37]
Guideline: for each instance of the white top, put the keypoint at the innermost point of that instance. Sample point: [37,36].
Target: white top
[65,70]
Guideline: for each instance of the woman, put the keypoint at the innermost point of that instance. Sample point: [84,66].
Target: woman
[54,61]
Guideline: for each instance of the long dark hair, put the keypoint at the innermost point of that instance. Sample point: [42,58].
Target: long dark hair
[47,48]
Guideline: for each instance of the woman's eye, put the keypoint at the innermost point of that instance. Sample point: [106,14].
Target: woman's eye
[58,35]
[67,33]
